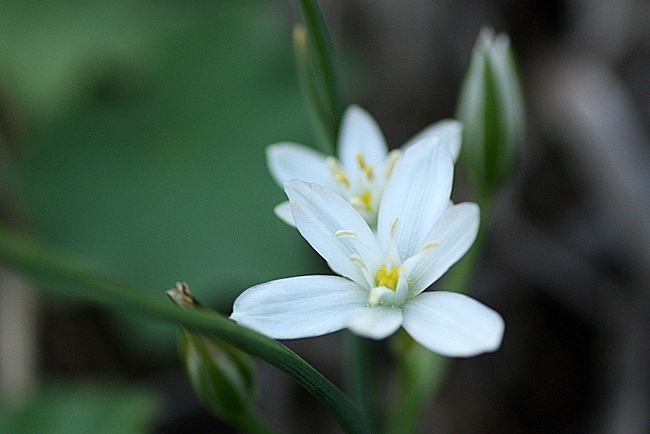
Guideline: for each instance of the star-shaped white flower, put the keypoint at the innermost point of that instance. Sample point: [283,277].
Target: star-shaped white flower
[363,167]
[419,235]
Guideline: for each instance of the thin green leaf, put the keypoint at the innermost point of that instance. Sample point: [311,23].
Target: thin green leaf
[325,134]
[323,80]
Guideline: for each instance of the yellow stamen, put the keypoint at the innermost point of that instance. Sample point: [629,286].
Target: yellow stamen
[429,245]
[391,159]
[338,173]
[356,258]
[386,278]
[343,233]
[363,166]
[393,226]
[342,178]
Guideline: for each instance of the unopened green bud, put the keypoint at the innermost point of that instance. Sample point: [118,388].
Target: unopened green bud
[221,375]
[491,108]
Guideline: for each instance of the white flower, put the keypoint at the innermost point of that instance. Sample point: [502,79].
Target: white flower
[363,167]
[419,235]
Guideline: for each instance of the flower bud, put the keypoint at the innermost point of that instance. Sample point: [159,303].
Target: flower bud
[221,374]
[491,108]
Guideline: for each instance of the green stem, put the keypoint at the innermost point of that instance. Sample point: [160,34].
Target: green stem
[320,87]
[460,275]
[324,129]
[68,276]
[421,372]
[324,79]
[362,375]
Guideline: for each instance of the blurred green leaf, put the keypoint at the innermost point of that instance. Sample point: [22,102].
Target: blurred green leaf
[55,51]
[83,407]
[160,173]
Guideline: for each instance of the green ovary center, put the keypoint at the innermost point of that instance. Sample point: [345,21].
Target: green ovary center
[387,278]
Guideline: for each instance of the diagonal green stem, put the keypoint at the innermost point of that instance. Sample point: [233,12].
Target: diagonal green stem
[69,276]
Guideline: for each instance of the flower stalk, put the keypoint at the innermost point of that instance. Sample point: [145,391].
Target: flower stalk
[317,73]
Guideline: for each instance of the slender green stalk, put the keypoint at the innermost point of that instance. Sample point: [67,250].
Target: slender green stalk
[68,276]
[322,78]
[320,86]
[324,129]
[460,275]
[362,377]
[421,372]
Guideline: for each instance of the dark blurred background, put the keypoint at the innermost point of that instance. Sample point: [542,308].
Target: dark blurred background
[132,133]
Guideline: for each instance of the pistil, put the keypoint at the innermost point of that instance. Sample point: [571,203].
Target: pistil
[387,278]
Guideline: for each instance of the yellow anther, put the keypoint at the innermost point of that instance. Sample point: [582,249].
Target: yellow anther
[343,233]
[356,258]
[386,278]
[363,166]
[429,245]
[368,172]
[338,173]
[393,226]
[361,160]
[391,159]
[342,178]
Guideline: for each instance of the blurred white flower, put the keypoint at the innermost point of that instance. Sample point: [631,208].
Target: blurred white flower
[419,235]
[364,164]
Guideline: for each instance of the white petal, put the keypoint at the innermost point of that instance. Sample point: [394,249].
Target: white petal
[417,194]
[320,214]
[375,322]
[449,131]
[360,134]
[447,242]
[292,161]
[298,307]
[283,211]
[453,324]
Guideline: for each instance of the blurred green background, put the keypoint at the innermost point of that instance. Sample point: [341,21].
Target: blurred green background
[142,129]
[136,132]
